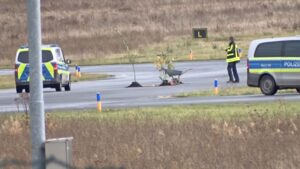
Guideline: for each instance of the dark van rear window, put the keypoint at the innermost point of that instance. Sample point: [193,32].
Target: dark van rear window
[24,58]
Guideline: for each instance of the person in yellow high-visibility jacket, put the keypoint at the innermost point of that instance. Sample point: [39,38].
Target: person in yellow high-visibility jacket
[232,59]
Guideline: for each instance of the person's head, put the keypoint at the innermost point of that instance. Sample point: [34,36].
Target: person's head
[231,39]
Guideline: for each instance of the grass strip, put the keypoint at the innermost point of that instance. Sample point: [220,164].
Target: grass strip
[231,91]
[89,76]
[213,112]
[8,81]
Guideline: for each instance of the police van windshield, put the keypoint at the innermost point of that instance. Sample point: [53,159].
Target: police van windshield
[24,58]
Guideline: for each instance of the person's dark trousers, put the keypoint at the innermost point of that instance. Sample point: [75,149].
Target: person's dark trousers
[231,69]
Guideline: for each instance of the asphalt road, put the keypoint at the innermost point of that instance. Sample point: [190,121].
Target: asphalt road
[114,91]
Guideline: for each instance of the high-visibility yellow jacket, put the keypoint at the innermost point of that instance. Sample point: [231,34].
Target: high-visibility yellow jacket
[232,53]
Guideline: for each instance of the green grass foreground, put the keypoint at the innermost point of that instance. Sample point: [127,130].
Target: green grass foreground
[8,81]
[230,91]
[212,112]
[244,136]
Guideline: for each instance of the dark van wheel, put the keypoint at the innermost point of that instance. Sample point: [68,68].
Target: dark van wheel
[298,90]
[68,87]
[58,87]
[27,89]
[19,89]
[267,85]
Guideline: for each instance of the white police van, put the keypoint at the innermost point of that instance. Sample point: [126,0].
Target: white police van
[274,64]
[55,68]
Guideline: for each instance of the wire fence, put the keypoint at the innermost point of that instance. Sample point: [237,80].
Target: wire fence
[9,163]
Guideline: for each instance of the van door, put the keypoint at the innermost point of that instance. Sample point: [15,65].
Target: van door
[291,63]
[268,60]
[22,67]
[63,68]
[47,67]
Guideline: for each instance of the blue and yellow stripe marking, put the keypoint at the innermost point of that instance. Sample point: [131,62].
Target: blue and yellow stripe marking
[23,72]
[274,65]
[48,72]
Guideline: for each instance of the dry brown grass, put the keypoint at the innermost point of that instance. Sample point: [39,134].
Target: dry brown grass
[88,29]
[149,140]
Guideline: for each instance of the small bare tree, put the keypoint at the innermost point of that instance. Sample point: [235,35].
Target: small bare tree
[23,100]
[132,60]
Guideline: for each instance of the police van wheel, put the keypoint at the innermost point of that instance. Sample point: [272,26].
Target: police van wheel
[298,90]
[68,87]
[27,90]
[267,85]
[19,89]
[58,87]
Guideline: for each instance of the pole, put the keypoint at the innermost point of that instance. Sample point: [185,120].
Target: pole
[37,117]
[99,104]
[79,71]
[216,87]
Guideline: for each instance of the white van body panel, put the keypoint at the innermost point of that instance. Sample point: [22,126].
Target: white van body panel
[284,70]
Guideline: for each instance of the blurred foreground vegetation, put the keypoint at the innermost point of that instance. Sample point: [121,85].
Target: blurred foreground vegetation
[244,136]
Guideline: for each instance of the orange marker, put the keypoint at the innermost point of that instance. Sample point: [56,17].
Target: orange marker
[191,54]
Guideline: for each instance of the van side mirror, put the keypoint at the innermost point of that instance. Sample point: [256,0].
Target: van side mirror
[68,61]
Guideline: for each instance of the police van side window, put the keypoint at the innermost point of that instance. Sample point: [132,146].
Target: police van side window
[59,55]
[292,49]
[269,49]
